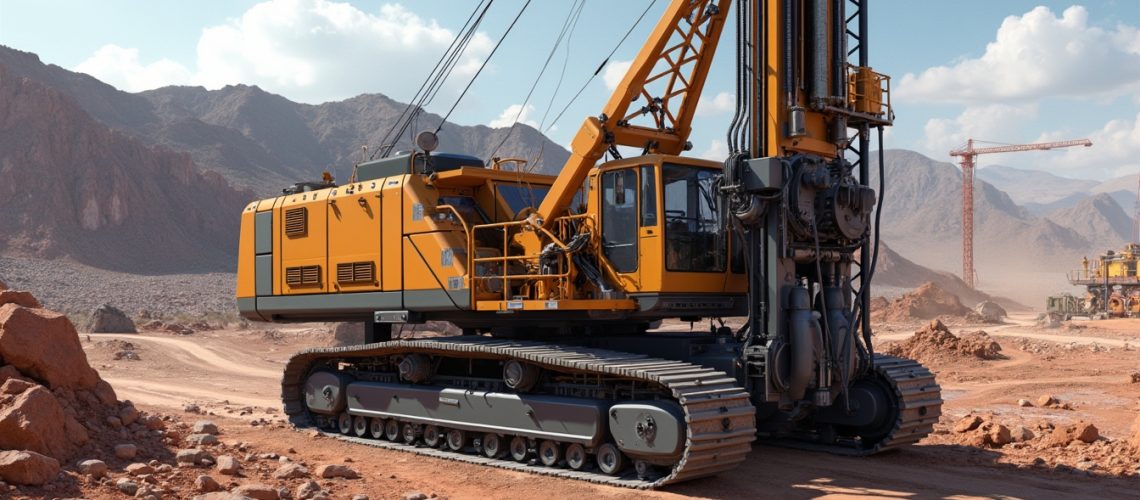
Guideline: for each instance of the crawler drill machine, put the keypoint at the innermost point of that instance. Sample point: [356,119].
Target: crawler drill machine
[558,283]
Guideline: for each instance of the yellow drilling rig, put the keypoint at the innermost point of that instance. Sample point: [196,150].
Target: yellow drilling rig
[556,281]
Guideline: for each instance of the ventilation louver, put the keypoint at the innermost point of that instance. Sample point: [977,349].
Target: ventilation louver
[303,276]
[297,221]
[355,272]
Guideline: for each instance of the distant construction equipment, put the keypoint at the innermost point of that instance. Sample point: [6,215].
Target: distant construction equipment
[968,154]
[1112,282]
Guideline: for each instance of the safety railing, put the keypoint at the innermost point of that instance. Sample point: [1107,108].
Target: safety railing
[483,271]
[869,93]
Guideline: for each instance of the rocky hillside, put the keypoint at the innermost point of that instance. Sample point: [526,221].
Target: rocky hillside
[1099,219]
[70,187]
[1032,186]
[263,141]
[894,272]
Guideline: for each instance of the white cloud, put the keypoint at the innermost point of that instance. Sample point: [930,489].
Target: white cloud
[717,151]
[1037,55]
[614,73]
[311,51]
[121,68]
[723,102]
[1115,151]
[509,116]
[993,121]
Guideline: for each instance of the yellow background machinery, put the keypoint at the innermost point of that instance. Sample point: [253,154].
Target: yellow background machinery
[1111,281]
[556,280]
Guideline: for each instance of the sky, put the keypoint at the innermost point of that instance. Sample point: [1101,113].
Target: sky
[1009,71]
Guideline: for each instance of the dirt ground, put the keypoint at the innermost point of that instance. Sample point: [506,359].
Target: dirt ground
[232,376]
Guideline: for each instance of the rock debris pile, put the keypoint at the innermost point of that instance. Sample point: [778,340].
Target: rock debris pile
[935,343]
[928,301]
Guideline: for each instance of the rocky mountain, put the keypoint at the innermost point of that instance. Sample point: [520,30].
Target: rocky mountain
[71,187]
[1016,254]
[263,141]
[1032,186]
[1098,218]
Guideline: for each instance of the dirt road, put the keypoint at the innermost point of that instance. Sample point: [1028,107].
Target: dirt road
[225,371]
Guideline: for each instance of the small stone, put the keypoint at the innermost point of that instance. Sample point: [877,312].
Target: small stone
[257,491]
[114,422]
[307,490]
[206,484]
[93,468]
[998,436]
[127,486]
[1135,377]
[129,414]
[191,456]
[202,439]
[1046,400]
[138,469]
[1024,403]
[191,408]
[126,451]
[205,427]
[1022,433]
[1085,465]
[330,471]
[1086,432]
[292,471]
[359,496]
[228,465]
[415,495]
[968,423]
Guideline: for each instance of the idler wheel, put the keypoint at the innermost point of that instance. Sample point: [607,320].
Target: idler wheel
[610,459]
[415,368]
[576,456]
[520,376]
[549,453]
[519,450]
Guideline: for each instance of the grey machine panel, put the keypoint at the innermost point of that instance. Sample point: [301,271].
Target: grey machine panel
[263,274]
[570,420]
[648,428]
[263,232]
[364,303]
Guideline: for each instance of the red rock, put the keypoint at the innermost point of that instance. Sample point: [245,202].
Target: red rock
[1134,439]
[8,372]
[1046,400]
[330,471]
[1081,431]
[27,467]
[35,421]
[44,345]
[968,423]
[257,491]
[16,386]
[25,299]
[1086,432]
[998,435]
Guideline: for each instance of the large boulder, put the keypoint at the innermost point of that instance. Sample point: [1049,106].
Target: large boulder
[348,334]
[19,298]
[31,418]
[1134,438]
[991,312]
[27,467]
[44,345]
[107,319]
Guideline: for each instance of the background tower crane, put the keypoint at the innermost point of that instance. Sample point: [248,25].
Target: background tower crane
[968,154]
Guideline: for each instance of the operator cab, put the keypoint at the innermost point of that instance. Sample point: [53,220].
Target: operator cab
[663,238]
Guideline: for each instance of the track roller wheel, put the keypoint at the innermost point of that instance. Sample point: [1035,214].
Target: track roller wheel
[519,449]
[376,428]
[392,430]
[644,469]
[432,436]
[411,433]
[493,446]
[576,456]
[610,459]
[549,453]
[360,425]
[344,423]
[456,439]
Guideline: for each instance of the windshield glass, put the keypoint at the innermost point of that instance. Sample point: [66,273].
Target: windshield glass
[694,238]
[520,196]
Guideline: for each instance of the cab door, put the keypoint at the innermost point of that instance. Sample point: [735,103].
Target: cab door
[649,239]
[620,232]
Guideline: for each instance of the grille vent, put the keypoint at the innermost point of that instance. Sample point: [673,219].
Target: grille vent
[303,276]
[355,272]
[297,221]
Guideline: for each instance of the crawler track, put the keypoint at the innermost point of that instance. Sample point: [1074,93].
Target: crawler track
[720,420]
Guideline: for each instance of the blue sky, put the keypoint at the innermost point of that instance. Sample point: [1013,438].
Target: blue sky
[1009,71]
